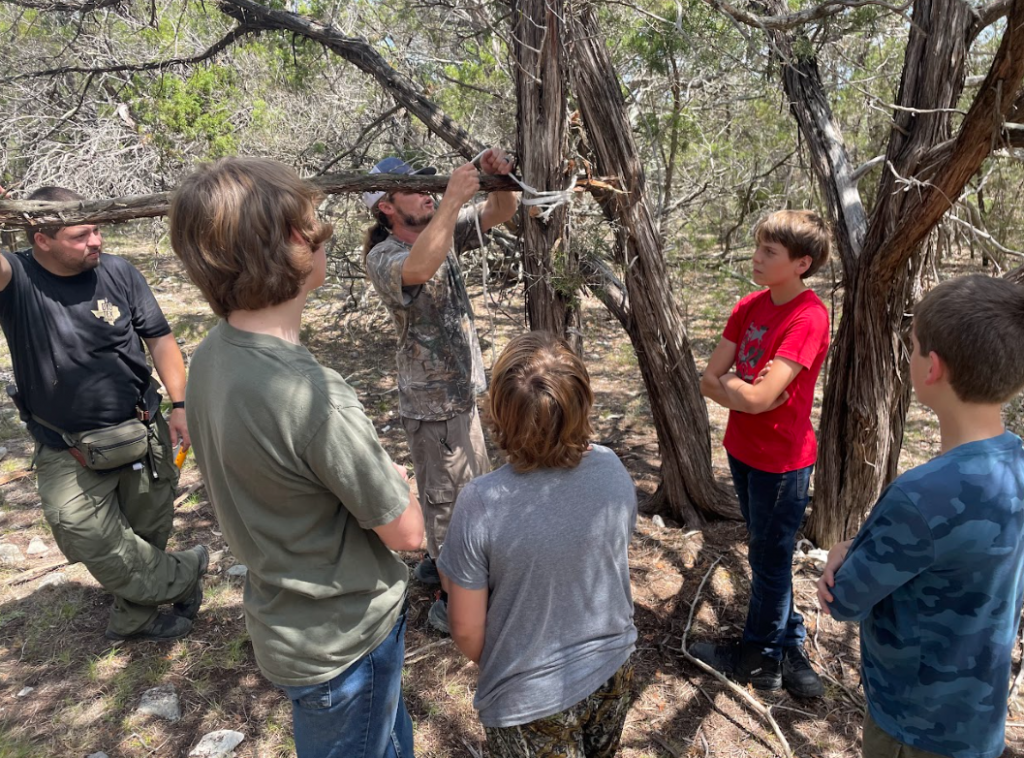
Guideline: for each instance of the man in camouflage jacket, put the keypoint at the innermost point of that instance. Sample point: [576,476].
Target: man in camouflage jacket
[412,258]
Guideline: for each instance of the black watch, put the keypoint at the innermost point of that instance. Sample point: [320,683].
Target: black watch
[179,404]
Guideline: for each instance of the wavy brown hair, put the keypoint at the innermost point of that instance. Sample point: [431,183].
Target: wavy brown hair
[231,225]
[539,403]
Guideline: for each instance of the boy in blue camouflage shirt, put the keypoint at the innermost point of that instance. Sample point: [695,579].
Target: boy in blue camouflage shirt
[935,574]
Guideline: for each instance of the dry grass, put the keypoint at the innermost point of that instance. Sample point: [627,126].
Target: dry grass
[86,689]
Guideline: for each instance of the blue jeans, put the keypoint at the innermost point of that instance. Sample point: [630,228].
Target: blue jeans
[360,713]
[773,506]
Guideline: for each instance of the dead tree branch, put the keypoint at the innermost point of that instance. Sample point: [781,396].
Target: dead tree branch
[229,39]
[28,213]
[359,53]
[66,6]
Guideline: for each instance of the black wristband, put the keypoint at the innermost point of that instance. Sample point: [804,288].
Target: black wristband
[179,404]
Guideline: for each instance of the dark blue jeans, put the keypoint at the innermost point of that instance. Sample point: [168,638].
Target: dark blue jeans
[773,506]
[360,713]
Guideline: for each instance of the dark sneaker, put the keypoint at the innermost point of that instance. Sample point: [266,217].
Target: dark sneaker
[426,571]
[190,608]
[722,658]
[438,616]
[798,676]
[742,663]
[164,627]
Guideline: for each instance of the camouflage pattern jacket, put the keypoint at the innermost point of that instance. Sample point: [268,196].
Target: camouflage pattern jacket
[440,368]
[935,576]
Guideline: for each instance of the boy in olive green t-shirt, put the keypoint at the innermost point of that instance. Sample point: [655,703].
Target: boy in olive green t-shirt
[303,491]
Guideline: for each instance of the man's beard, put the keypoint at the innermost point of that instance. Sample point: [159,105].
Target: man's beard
[416,222]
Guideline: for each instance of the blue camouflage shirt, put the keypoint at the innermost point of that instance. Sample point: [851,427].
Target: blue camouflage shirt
[934,576]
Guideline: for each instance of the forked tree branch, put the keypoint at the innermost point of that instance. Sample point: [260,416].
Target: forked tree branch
[973,143]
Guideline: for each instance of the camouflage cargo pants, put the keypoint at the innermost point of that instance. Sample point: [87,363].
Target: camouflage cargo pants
[117,524]
[590,729]
[446,455]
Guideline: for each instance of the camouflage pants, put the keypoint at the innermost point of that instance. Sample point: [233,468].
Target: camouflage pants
[590,729]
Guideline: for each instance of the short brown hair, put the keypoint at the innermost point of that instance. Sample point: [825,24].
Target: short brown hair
[975,324]
[539,403]
[801,233]
[231,225]
[52,195]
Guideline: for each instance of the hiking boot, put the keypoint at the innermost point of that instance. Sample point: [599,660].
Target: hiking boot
[798,676]
[740,662]
[438,616]
[426,571]
[190,608]
[164,627]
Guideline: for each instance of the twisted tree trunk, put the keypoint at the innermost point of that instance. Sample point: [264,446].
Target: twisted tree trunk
[654,325]
[542,96]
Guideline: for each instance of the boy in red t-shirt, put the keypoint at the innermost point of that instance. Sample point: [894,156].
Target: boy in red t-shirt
[764,371]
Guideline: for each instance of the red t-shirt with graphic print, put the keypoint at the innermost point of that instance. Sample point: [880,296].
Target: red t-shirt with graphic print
[782,439]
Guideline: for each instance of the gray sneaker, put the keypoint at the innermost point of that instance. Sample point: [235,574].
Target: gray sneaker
[438,616]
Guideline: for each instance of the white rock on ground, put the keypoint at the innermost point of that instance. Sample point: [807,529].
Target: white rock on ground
[53,580]
[25,691]
[37,547]
[10,555]
[160,701]
[238,570]
[219,744]
[100,754]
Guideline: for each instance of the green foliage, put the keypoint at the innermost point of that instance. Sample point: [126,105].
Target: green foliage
[194,108]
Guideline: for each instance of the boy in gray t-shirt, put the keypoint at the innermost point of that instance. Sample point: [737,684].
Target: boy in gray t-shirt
[536,562]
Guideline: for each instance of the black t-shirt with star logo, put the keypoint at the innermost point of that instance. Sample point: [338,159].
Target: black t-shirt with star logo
[76,344]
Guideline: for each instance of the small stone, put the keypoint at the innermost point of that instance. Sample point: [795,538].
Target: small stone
[10,555]
[219,744]
[100,754]
[3,452]
[25,691]
[37,547]
[658,521]
[160,701]
[238,570]
[54,580]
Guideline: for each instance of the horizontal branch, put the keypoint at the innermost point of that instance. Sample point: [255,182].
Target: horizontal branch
[785,22]
[228,39]
[28,213]
[68,6]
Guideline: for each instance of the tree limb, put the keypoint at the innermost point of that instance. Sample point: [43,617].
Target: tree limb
[28,213]
[225,42]
[973,143]
[68,6]
[359,53]
[988,15]
[788,21]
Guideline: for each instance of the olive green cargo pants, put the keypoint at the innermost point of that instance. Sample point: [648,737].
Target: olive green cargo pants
[117,524]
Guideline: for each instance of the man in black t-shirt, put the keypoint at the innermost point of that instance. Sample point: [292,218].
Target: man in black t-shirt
[75,320]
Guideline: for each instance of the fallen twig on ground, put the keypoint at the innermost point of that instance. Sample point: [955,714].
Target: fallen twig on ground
[420,653]
[29,575]
[15,476]
[190,490]
[758,707]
